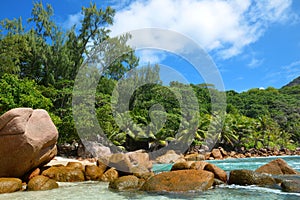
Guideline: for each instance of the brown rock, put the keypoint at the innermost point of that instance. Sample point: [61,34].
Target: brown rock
[64,174]
[223,152]
[110,175]
[27,140]
[218,172]
[41,183]
[76,165]
[248,177]
[125,183]
[31,174]
[8,185]
[102,165]
[194,157]
[276,167]
[144,176]
[180,181]
[232,153]
[216,153]
[207,155]
[93,172]
[182,165]
[199,165]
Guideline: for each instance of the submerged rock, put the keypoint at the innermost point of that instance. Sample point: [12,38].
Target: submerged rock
[278,166]
[27,140]
[9,185]
[41,183]
[179,181]
[248,177]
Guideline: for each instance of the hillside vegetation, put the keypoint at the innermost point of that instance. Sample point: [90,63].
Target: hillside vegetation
[39,63]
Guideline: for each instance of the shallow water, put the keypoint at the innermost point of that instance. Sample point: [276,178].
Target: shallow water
[99,190]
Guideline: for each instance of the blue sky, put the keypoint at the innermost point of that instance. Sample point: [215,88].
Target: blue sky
[253,43]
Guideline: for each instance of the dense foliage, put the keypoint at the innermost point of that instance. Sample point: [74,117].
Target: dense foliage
[38,65]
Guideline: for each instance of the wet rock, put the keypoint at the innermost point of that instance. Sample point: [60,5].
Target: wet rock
[27,140]
[64,174]
[9,185]
[93,172]
[41,183]
[248,177]
[198,165]
[218,172]
[217,182]
[144,176]
[291,186]
[179,181]
[278,166]
[125,183]
[110,175]
[182,165]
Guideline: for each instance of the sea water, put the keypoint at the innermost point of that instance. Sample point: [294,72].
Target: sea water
[99,190]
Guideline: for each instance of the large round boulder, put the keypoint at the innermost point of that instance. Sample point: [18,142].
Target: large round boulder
[27,140]
[179,181]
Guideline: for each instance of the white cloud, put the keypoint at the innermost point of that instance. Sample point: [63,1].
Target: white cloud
[73,20]
[254,63]
[292,70]
[219,26]
[285,73]
[148,56]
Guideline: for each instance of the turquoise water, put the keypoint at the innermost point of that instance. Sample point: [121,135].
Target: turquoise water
[99,190]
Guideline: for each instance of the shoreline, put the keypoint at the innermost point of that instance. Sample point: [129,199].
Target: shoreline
[216,154]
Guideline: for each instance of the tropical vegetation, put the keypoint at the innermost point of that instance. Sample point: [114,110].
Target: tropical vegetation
[39,61]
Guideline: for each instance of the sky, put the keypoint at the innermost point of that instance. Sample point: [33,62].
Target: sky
[253,43]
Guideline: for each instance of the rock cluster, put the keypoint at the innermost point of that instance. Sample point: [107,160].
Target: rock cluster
[220,153]
[28,141]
